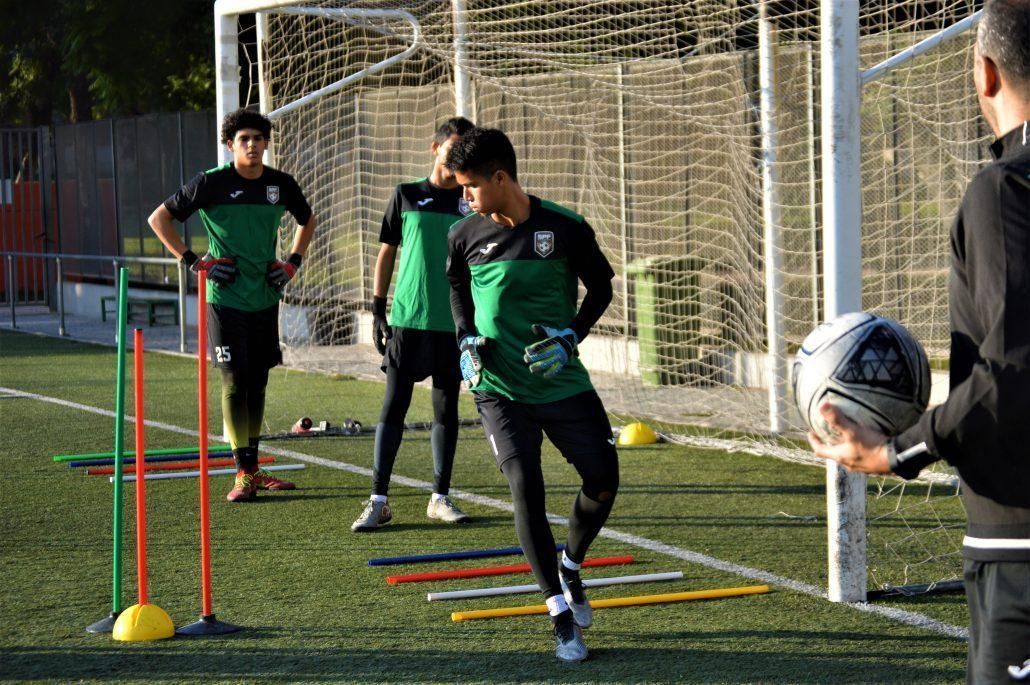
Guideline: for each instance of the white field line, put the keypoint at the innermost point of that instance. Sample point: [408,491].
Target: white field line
[907,617]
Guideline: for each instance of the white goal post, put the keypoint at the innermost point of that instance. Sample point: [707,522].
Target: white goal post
[751,168]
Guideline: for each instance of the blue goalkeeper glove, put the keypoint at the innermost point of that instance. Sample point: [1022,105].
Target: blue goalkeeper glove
[470,361]
[550,355]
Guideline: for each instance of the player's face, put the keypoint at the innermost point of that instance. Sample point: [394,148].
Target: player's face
[440,151]
[248,147]
[485,194]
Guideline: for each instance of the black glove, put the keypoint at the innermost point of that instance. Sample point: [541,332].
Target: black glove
[381,331]
[222,271]
[280,273]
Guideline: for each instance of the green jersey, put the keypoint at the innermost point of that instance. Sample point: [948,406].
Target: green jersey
[241,217]
[417,219]
[506,279]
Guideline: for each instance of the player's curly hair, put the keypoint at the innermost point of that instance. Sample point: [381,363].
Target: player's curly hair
[455,126]
[244,118]
[483,151]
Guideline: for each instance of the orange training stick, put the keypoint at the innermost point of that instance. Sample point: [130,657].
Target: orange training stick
[170,466]
[494,570]
[141,496]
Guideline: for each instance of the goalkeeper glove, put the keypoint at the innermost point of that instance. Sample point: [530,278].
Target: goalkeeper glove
[470,361]
[550,355]
[280,273]
[381,331]
[222,270]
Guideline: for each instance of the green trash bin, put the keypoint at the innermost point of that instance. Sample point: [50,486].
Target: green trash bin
[668,317]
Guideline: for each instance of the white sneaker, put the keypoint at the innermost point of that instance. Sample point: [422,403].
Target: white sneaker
[569,643]
[575,597]
[445,510]
[375,515]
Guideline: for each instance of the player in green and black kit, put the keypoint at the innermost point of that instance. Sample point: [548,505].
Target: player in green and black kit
[515,269]
[418,340]
[241,205]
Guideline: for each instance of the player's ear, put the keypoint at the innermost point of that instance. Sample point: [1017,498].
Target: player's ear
[434,147]
[988,76]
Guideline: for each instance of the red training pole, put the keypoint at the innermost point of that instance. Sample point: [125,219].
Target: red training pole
[141,489]
[205,518]
[208,624]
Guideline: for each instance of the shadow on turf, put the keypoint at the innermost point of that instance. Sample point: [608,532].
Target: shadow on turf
[237,659]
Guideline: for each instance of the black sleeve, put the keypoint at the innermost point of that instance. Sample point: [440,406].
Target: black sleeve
[297,204]
[390,233]
[462,307]
[592,268]
[983,428]
[188,198]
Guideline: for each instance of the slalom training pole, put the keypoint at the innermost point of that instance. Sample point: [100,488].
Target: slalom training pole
[149,460]
[106,625]
[533,587]
[208,624]
[171,466]
[448,556]
[495,571]
[196,474]
[142,621]
[150,453]
[639,600]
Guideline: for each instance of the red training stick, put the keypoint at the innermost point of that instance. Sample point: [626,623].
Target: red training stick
[141,490]
[171,466]
[494,570]
[205,517]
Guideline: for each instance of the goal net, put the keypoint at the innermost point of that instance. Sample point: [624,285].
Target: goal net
[646,117]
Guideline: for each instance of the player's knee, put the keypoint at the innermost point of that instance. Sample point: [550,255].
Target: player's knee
[602,487]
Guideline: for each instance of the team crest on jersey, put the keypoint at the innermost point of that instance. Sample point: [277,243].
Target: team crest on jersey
[464,207]
[272,193]
[543,243]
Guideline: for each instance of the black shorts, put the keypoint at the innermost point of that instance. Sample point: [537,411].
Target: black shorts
[243,341]
[578,426]
[419,354]
[998,595]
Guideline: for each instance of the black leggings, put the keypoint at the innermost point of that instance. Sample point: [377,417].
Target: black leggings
[389,432]
[590,510]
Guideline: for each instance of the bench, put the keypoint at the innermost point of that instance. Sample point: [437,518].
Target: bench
[152,310]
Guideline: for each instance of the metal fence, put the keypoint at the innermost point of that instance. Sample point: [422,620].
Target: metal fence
[112,173]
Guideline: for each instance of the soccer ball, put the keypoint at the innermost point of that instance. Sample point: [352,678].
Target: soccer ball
[869,367]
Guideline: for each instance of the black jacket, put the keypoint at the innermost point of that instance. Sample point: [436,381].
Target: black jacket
[983,429]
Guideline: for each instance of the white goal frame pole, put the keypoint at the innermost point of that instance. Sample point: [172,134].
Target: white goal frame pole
[934,41]
[842,269]
[227,68]
[773,224]
[463,105]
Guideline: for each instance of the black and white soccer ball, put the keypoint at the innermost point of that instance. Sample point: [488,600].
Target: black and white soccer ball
[867,366]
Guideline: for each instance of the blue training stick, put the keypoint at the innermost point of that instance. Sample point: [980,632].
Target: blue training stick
[162,457]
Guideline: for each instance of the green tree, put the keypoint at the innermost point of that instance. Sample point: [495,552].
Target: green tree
[75,60]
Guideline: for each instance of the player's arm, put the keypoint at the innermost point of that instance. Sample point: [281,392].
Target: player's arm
[390,235]
[549,355]
[983,423]
[162,222]
[464,313]
[385,260]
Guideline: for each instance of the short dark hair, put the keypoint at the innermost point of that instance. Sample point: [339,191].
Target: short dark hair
[244,118]
[483,151]
[1004,36]
[455,126]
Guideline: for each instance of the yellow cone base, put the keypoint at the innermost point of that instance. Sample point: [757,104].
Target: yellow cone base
[142,622]
[637,434]
[639,600]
